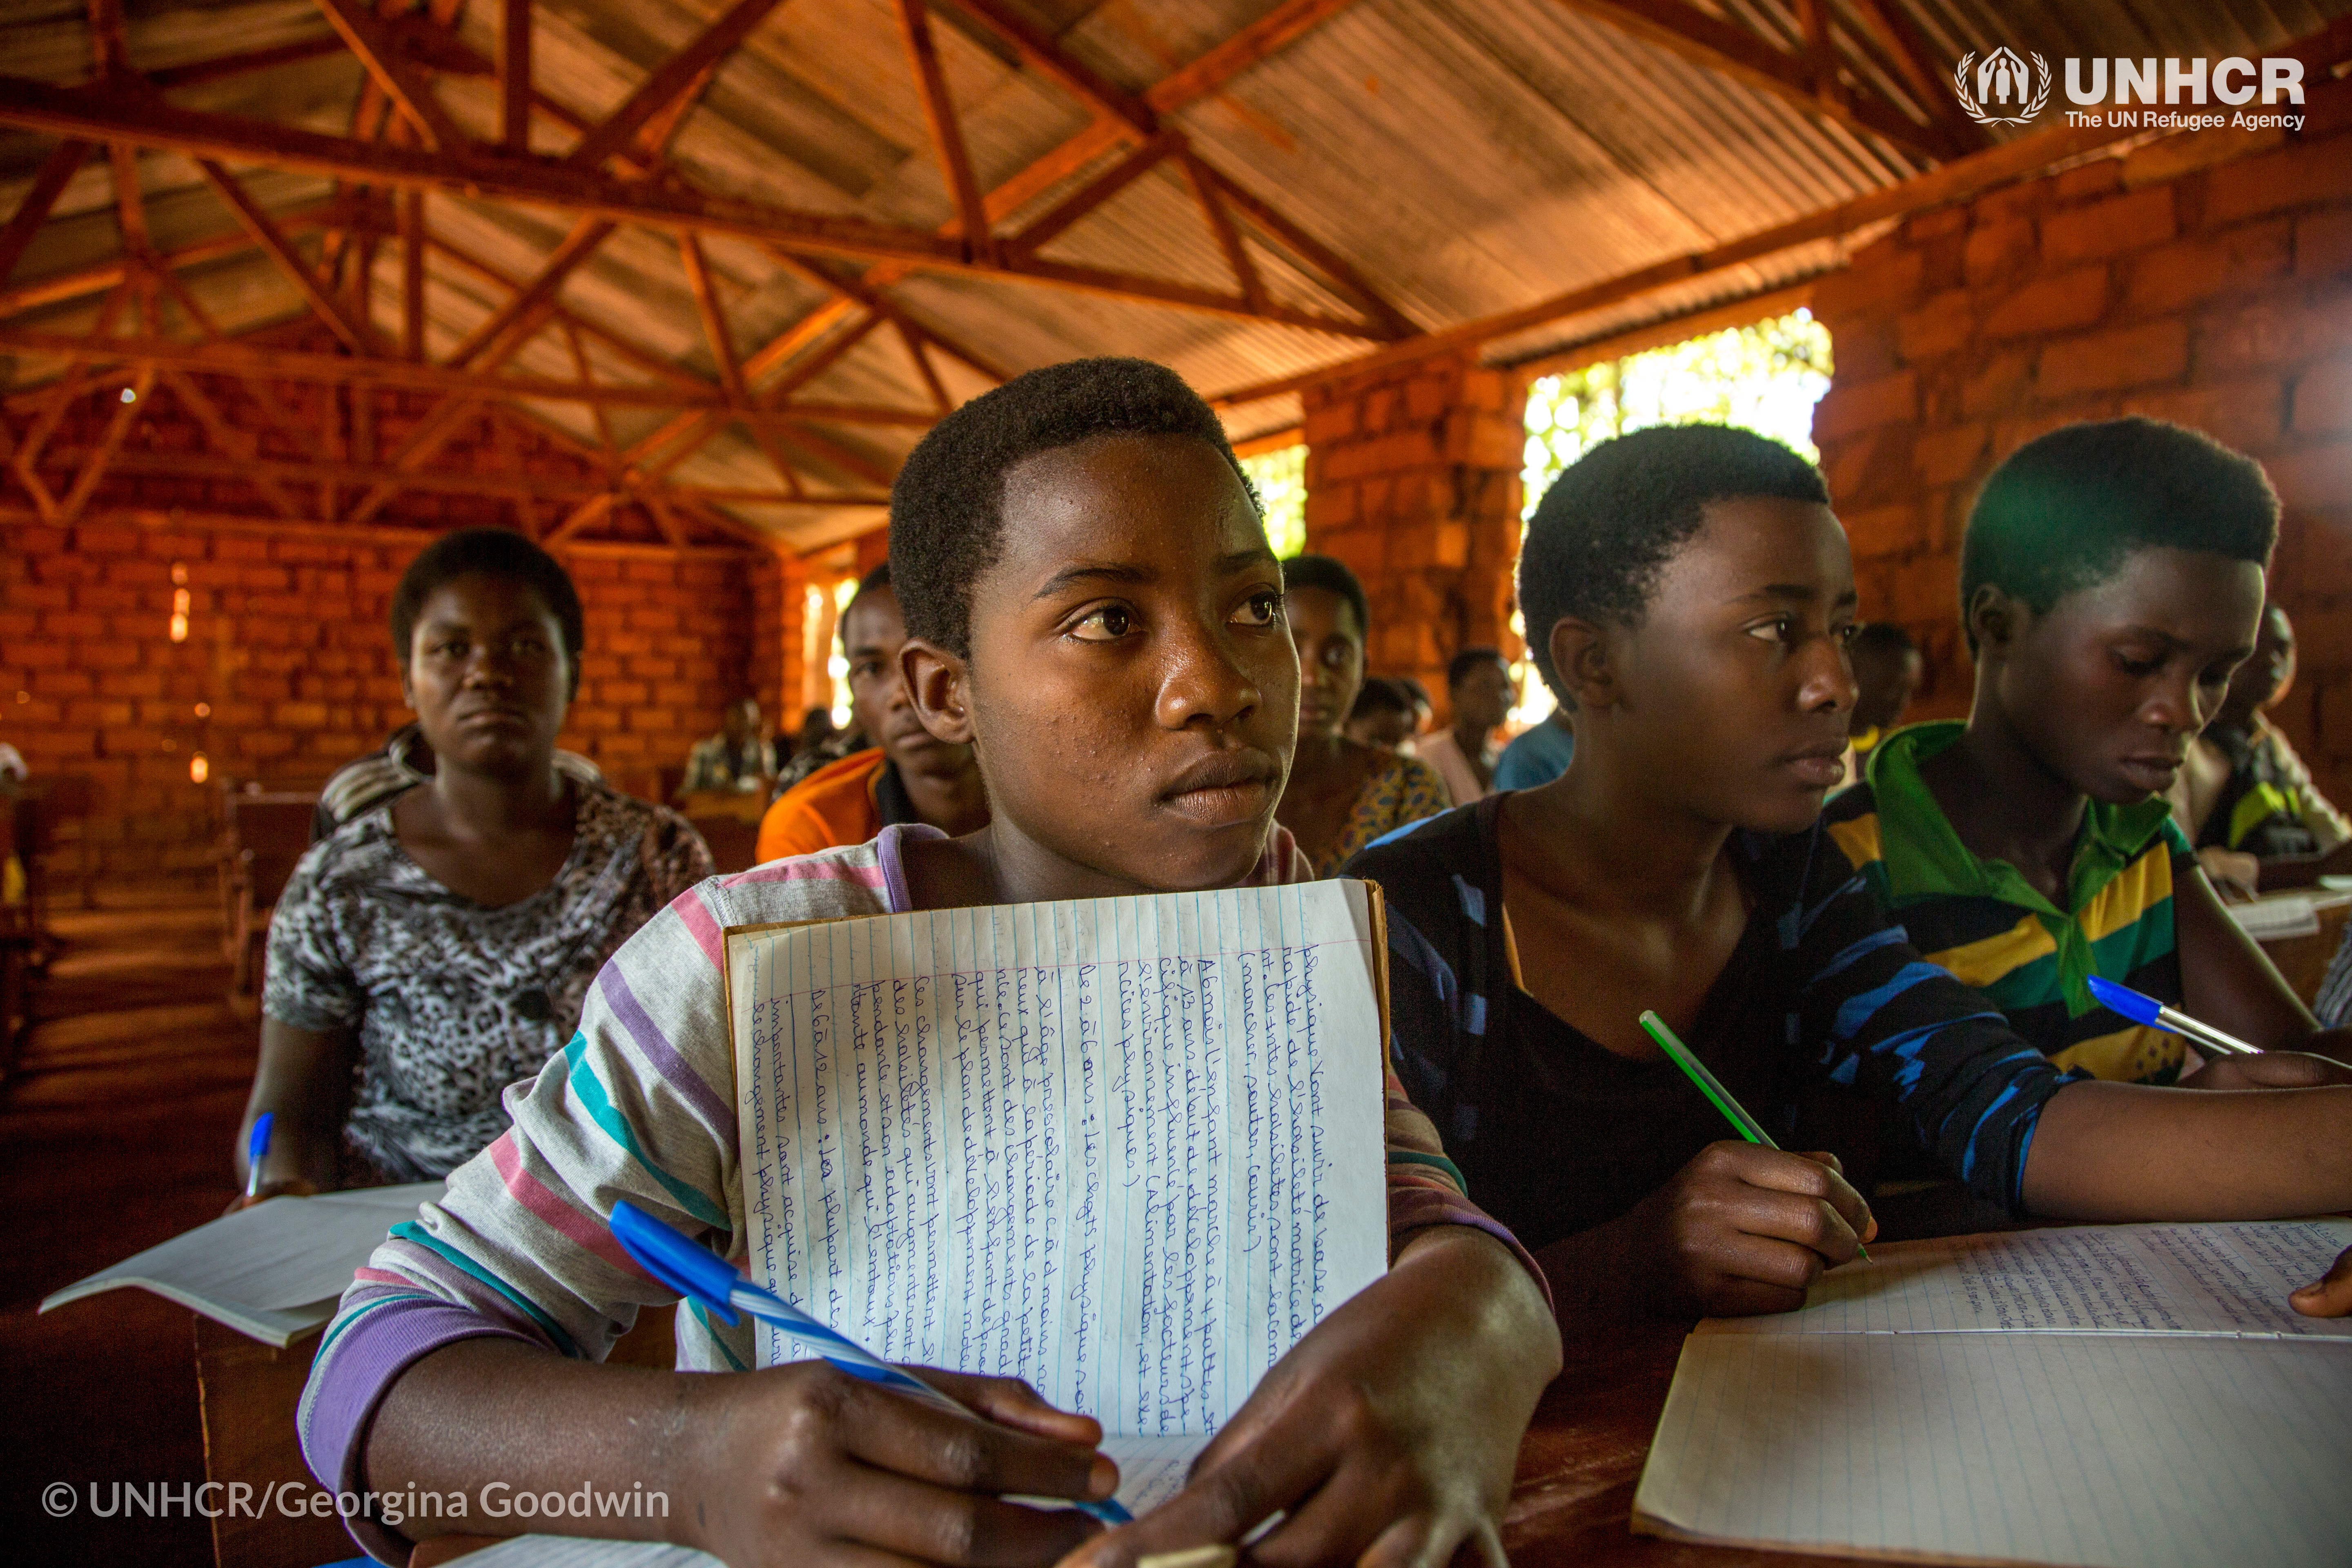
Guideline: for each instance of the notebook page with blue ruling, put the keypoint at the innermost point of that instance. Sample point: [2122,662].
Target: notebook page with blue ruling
[2129,1397]
[1130,1150]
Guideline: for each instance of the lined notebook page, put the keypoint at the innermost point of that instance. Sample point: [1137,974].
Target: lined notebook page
[2229,1279]
[1130,1150]
[2122,1450]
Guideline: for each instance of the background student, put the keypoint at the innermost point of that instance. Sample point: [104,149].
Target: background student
[438,946]
[1342,793]
[1696,594]
[2111,580]
[2244,796]
[1383,716]
[909,775]
[1099,618]
[1478,684]
[1540,756]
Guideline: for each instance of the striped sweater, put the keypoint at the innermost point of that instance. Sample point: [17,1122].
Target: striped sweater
[640,1106]
[2032,956]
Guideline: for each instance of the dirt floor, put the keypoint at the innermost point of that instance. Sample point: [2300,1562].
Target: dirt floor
[114,1135]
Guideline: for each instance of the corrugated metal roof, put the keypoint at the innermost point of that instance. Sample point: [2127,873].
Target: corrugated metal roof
[1467,157]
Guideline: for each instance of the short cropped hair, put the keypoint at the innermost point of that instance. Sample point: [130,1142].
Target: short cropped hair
[1380,695]
[1459,668]
[2063,511]
[1332,576]
[1615,517]
[946,509]
[491,552]
[1882,636]
[877,579]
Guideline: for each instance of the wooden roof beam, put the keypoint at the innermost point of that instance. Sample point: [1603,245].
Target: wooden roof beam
[379,51]
[266,234]
[947,135]
[71,112]
[1261,40]
[64,161]
[514,76]
[1730,51]
[668,81]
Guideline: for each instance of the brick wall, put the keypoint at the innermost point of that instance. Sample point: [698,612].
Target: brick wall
[287,646]
[2204,280]
[1413,480]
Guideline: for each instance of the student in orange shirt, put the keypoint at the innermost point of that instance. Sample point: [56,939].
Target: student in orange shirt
[908,776]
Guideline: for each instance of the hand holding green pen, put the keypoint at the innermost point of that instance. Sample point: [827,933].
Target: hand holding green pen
[1712,1087]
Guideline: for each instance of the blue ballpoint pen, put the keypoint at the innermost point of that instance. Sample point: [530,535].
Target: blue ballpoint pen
[2141,1008]
[694,1272]
[256,1147]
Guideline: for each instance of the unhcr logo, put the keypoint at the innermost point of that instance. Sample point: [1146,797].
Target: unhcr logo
[1998,88]
[2001,82]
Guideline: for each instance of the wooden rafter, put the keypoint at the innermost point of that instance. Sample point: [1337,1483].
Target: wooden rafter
[672,206]
[53,408]
[671,79]
[412,274]
[239,444]
[1730,51]
[913,342]
[94,467]
[400,81]
[514,76]
[1220,224]
[1147,155]
[947,135]
[1261,40]
[108,43]
[237,359]
[63,161]
[290,261]
[700,283]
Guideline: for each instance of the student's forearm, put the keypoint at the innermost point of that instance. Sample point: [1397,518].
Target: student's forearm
[488,1410]
[303,1079]
[2125,1152]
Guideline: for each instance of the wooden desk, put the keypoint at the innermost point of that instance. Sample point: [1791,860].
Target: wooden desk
[1573,1496]
[1574,1491]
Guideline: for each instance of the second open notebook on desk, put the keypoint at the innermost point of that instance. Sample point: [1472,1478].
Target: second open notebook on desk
[2140,1396]
[1130,1150]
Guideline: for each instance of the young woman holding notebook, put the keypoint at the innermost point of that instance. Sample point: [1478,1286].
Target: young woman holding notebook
[1694,593]
[1094,609]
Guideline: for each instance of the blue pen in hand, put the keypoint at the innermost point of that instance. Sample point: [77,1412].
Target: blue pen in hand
[2141,1008]
[694,1272]
[256,1146]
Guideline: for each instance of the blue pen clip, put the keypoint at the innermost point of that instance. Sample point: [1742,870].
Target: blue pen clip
[699,1275]
[256,1146]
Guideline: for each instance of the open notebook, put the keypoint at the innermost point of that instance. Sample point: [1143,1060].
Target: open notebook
[272,1272]
[2134,1395]
[1130,1150]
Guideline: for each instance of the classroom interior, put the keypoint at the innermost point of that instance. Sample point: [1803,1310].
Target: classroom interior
[672,289]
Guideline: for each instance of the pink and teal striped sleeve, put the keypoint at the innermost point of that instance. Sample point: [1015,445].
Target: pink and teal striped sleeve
[640,1106]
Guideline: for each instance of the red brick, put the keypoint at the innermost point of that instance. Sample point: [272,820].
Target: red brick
[2316,476]
[2075,297]
[2323,243]
[2089,180]
[2182,274]
[1888,400]
[1944,324]
[1948,456]
[2273,332]
[1891,531]
[2106,361]
[2247,413]
[1936,223]
[1996,250]
[2295,176]
[2130,222]
[2323,397]
[1861,288]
